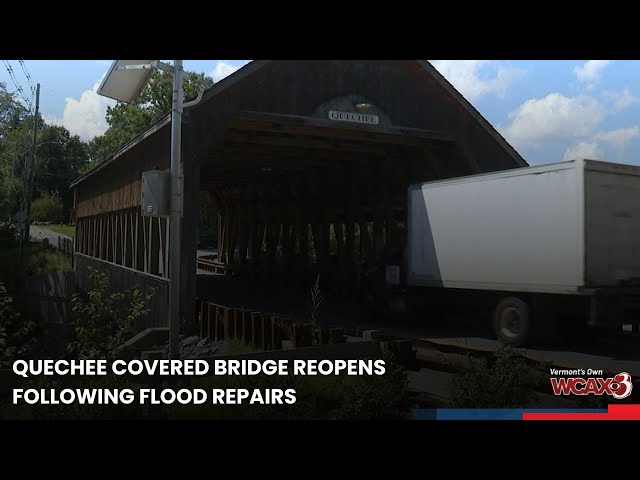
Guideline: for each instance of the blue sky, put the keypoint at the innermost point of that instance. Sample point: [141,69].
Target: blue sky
[549,110]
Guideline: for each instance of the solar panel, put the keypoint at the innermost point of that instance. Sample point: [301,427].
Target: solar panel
[126,79]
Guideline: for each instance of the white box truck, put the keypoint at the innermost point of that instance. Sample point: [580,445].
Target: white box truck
[541,244]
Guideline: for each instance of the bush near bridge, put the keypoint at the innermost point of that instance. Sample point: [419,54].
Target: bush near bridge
[47,208]
[506,380]
[104,321]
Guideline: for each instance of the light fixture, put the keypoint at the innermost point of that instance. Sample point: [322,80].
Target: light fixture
[362,106]
[266,169]
[126,78]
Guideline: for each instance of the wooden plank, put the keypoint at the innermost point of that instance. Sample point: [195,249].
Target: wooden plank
[114,238]
[102,237]
[161,251]
[146,240]
[167,226]
[135,228]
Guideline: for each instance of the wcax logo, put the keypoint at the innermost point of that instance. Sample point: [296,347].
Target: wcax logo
[588,382]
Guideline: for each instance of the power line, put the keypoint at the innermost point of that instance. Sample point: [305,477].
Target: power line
[7,65]
[26,74]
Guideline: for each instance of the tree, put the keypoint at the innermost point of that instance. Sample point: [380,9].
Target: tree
[11,110]
[47,208]
[60,156]
[128,120]
[12,116]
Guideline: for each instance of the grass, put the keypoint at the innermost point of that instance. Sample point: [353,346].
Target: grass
[37,260]
[235,346]
[68,230]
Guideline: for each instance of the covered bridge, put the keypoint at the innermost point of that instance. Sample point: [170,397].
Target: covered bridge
[308,162]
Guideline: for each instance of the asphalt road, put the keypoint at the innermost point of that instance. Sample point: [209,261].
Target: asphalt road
[38,234]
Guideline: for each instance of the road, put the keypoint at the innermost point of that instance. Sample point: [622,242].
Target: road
[38,234]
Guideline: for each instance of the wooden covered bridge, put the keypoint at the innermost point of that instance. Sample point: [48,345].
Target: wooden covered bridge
[308,163]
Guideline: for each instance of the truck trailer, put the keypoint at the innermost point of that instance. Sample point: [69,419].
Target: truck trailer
[543,247]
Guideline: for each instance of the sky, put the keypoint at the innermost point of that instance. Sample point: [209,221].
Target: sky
[548,110]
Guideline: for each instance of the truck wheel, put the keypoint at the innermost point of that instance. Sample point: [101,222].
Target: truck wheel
[512,322]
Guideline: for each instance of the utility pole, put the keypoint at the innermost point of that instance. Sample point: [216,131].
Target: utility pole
[175,222]
[30,176]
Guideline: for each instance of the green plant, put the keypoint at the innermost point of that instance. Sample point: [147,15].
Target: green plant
[8,235]
[373,397]
[41,260]
[47,208]
[507,381]
[313,307]
[286,327]
[105,321]
[236,346]
[16,332]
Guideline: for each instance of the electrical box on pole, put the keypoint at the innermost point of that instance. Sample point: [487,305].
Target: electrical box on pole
[156,193]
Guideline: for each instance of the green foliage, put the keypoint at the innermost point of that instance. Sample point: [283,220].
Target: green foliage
[37,260]
[47,208]
[128,120]
[8,235]
[11,110]
[369,398]
[16,332]
[286,328]
[313,307]
[59,156]
[12,116]
[105,321]
[236,346]
[508,381]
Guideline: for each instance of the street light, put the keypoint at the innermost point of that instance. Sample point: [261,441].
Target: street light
[124,81]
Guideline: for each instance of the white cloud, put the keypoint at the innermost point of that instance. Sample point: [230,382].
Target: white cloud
[620,100]
[588,150]
[590,72]
[222,69]
[554,118]
[619,138]
[476,78]
[86,116]
[591,149]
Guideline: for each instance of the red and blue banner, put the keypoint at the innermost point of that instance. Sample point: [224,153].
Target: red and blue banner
[613,412]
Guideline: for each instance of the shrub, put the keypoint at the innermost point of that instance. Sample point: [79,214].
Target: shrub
[373,397]
[41,260]
[8,235]
[313,307]
[47,208]
[16,333]
[507,381]
[105,321]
